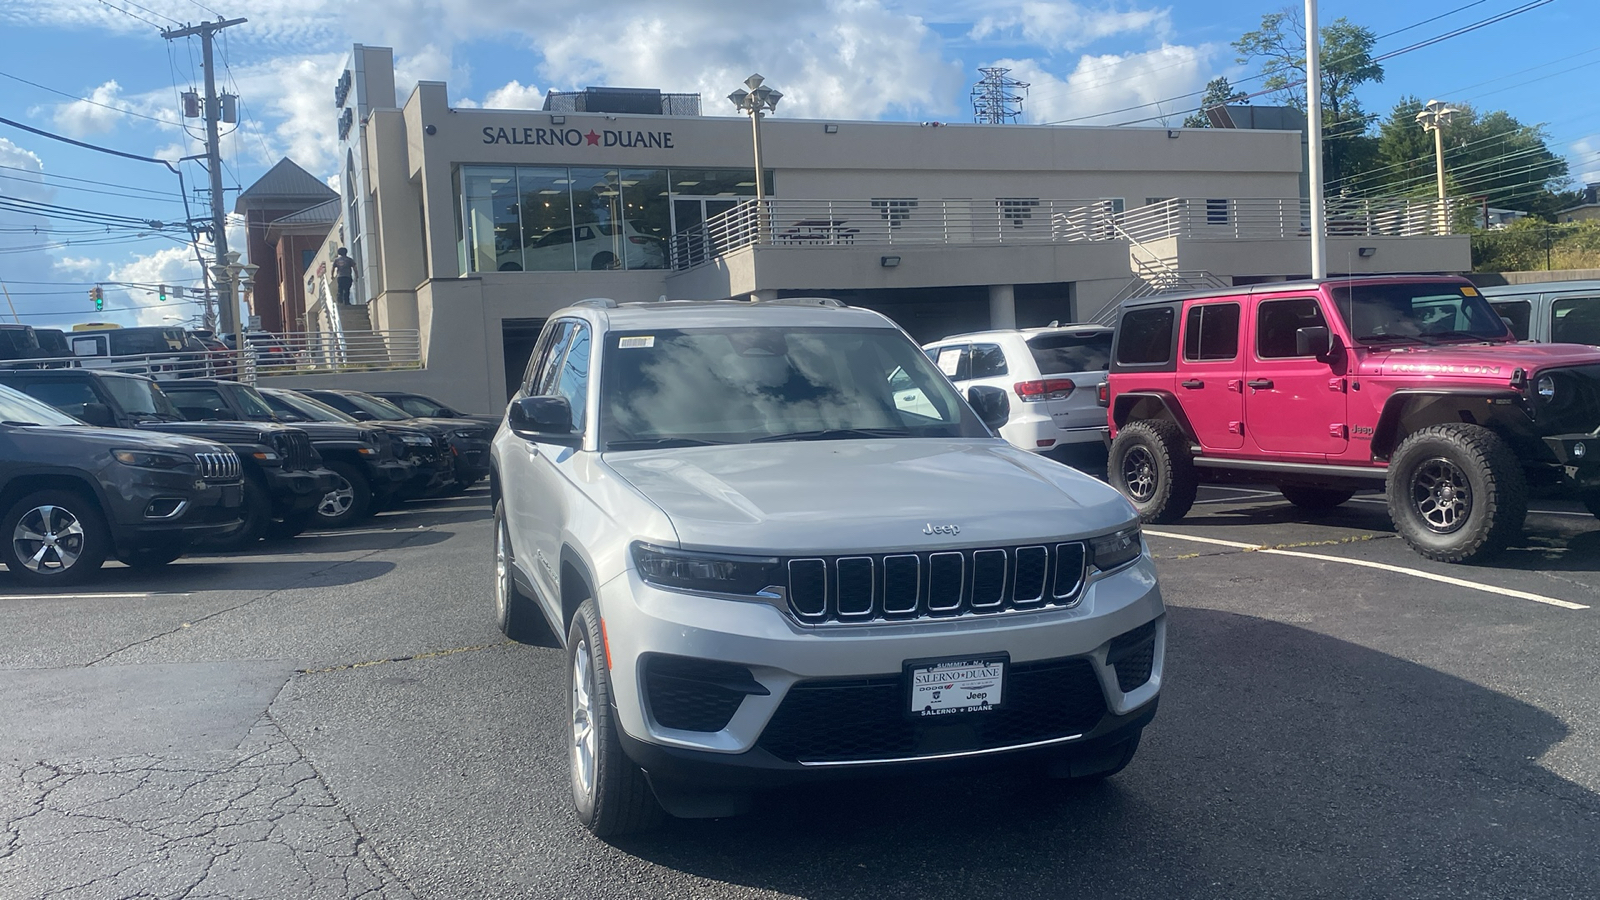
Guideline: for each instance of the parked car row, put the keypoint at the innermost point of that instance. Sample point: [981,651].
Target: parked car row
[162,352]
[97,464]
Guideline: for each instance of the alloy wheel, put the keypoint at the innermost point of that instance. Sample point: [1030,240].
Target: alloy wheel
[502,571]
[338,501]
[1139,473]
[1442,495]
[48,539]
[583,723]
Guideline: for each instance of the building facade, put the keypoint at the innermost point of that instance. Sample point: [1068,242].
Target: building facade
[285,191]
[472,225]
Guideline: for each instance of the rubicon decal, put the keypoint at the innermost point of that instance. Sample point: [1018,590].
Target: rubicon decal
[573,137]
[1445,369]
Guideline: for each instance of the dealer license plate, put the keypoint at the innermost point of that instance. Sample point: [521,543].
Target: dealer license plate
[949,686]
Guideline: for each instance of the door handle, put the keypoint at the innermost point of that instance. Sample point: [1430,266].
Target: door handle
[1193,383]
[1260,384]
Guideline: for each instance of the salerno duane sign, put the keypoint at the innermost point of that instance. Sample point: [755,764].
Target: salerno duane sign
[573,137]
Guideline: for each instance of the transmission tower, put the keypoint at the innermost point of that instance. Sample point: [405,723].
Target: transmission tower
[995,100]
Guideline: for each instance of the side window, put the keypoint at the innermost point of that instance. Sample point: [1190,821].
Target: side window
[1277,321]
[1145,336]
[69,397]
[572,380]
[953,361]
[90,346]
[1517,313]
[1575,321]
[199,404]
[545,381]
[554,334]
[988,361]
[1211,332]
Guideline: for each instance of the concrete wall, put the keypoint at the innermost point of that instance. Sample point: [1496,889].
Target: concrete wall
[1292,256]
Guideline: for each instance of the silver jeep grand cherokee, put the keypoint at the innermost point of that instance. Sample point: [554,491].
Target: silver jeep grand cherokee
[778,546]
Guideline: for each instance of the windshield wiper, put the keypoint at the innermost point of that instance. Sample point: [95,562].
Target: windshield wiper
[1390,339]
[643,443]
[1454,335]
[832,434]
[20,424]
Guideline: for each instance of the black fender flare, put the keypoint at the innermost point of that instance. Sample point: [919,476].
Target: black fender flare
[1385,435]
[1124,403]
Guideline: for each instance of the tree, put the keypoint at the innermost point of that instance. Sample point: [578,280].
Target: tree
[1279,47]
[1218,93]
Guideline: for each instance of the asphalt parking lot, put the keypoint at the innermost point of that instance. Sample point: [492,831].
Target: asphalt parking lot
[336,716]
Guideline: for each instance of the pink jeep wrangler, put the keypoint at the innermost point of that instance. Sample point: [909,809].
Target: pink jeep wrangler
[1325,387]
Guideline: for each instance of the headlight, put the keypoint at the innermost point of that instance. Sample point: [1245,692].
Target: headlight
[415,440]
[147,459]
[1546,388]
[1113,551]
[465,435]
[682,570]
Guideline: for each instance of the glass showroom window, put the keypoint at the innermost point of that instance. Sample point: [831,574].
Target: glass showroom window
[546,219]
[647,208]
[490,216]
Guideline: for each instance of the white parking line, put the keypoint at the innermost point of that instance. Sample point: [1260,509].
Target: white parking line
[1367,564]
[132,596]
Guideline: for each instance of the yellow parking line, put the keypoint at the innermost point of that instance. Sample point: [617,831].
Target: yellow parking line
[1368,564]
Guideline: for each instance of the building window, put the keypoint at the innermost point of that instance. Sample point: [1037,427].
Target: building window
[1216,212]
[1017,209]
[894,210]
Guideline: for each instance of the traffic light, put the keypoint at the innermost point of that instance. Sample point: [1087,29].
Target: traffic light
[98,295]
[161,293]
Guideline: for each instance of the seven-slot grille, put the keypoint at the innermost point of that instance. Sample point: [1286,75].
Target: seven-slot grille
[218,466]
[295,446]
[875,587]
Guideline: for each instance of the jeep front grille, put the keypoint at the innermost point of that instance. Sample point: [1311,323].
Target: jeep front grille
[218,466]
[295,448]
[893,586]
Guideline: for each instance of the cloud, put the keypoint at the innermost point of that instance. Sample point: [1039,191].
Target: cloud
[1101,84]
[514,95]
[1067,26]
[1586,153]
[171,266]
[81,118]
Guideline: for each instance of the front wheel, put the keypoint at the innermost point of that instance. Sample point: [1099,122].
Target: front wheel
[609,790]
[349,502]
[153,557]
[53,538]
[1592,501]
[256,515]
[1456,492]
[1150,464]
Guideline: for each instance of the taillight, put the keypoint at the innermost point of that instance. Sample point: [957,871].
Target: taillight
[1048,389]
[638,240]
[1104,392]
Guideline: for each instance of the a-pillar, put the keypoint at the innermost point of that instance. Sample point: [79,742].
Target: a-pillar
[1002,306]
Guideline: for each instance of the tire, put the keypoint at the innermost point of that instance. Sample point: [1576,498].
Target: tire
[1456,492]
[605,259]
[257,516]
[516,614]
[609,791]
[1591,500]
[153,557]
[1150,464]
[69,540]
[290,526]
[349,502]
[1314,498]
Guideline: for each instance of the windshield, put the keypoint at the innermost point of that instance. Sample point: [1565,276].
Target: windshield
[139,397]
[418,405]
[255,408]
[1417,313]
[17,408]
[1067,352]
[304,407]
[731,385]
[381,409]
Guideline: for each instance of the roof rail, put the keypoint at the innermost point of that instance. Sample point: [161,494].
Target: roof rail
[597,303]
[827,302]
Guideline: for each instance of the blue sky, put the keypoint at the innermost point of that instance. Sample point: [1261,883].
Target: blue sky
[867,59]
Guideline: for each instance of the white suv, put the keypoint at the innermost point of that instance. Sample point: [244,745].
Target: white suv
[1051,374]
[768,564]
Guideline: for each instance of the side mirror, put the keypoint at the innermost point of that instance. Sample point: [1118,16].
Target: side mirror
[99,414]
[1311,341]
[992,405]
[361,415]
[546,419]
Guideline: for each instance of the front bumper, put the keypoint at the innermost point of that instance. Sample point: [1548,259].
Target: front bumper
[155,512]
[780,654]
[386,476]
[298,490]
[471,460]
[1039,433]
[1578,457]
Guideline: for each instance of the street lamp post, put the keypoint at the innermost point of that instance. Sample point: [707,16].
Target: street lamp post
[756,103]
[1434,117]
[233,281]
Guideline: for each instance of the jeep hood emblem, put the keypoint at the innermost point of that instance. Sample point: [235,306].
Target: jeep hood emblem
[931,528]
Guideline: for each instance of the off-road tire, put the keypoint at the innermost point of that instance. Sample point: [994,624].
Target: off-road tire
[91,550]
[1591,500]
[618,799]
[1150,464]
[291,525]
[360,502]
[1442,524]
[153,557]
[1315,499]
[516,614]
[256,513]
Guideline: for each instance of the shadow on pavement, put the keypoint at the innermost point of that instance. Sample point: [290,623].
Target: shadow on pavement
[192,574]
[1283,763]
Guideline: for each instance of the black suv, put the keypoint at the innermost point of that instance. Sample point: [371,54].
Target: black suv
[429,408]
[71,495]
[370,463]
[469,439]
[284,478]
[435,468]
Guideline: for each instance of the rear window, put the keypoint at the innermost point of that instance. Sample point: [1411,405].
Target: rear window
[1066,352]
[1146,336]
[1575,321]
[136,342]
[1516,313]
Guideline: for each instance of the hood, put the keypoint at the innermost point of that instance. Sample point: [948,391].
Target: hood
[449,425]
[1490,362]
[129,439]
[333,431]
[224,432]
[825,497]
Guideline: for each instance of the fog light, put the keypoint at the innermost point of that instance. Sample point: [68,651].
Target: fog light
[165,508]
[1578,450]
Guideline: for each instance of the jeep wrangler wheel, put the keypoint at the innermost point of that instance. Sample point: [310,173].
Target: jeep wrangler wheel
[1150,464]
[1592,501]
[1456,492]
[349,502]
[53,537]
[1314,498]
[609,790]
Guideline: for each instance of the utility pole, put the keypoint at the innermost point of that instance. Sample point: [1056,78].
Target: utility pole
[212,113]
[1319,247]
[995,100]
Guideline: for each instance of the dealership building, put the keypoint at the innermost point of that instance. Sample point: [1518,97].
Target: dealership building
[471,226]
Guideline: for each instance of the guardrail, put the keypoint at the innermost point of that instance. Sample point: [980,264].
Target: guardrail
[160,366]
[893,222]
[1261,219]
[301,353]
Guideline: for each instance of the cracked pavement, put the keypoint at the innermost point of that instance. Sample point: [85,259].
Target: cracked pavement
[337,717]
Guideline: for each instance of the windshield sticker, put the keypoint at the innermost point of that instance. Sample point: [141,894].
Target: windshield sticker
[950,361]
[630,343]
[1469,292]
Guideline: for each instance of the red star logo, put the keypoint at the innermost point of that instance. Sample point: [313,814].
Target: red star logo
[592,138]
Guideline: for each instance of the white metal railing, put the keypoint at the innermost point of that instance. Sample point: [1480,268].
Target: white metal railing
[1261,219]
[301,353]
[160,366]
[893,222]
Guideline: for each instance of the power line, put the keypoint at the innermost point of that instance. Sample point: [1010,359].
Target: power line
[60,93]
[155,194]
[76,143]
[131,15]
[68,187]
